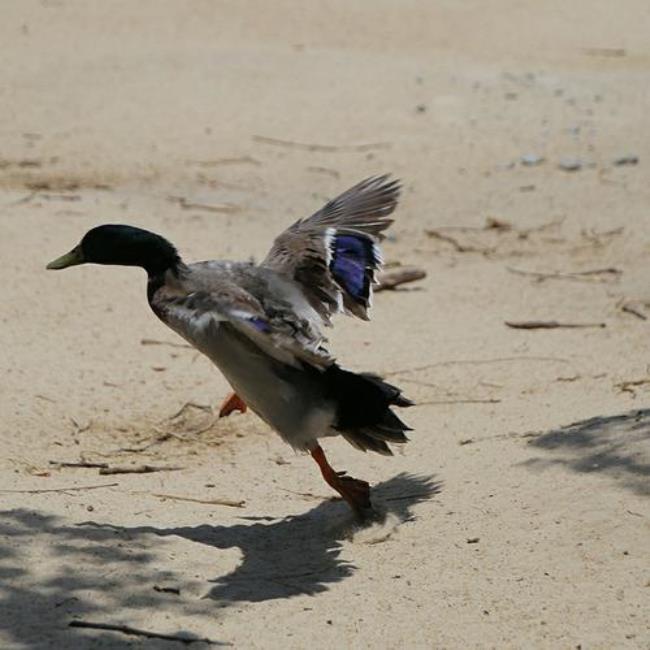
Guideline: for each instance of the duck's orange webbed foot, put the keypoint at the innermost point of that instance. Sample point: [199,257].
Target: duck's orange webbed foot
[231,404]
[355,491]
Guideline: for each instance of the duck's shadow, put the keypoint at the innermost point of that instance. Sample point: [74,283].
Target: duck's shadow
[295,555]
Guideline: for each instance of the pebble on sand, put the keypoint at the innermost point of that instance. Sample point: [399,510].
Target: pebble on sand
[570,164]
[531,159]
[629,159]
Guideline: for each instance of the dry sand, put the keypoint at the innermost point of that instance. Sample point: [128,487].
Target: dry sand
[506,528]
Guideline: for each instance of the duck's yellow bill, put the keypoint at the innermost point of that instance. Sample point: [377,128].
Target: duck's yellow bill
[75,256]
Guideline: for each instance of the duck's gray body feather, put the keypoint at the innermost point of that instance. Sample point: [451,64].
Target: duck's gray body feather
[261,324]
[260,358]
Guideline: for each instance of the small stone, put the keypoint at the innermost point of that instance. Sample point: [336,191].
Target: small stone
[492,223]
[531,159]
[570,164]
[473,540]
[629,159]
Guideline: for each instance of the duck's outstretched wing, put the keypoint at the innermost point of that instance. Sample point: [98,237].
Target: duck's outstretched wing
[278,332]
[333,254]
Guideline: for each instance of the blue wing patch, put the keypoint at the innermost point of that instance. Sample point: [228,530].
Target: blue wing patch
[353,263]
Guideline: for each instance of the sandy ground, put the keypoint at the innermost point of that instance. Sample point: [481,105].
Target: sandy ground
[518,514]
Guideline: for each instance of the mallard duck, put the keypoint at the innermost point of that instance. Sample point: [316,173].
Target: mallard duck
[261,324]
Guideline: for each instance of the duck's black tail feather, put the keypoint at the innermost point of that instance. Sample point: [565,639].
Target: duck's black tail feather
[364,416]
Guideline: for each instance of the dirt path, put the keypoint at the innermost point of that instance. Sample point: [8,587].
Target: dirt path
[518,514]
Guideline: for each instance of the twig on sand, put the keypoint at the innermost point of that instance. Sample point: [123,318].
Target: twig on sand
[25,199]
[163,436]
[324,170]
[76,488]
[463,362]
[419,382]
[549,325]
[502,226]
[458,247]
[611,52]
[578,276]
[239,160]
[629,308]
[629,385]
[170,343]
[211,502]
[82,463]
[201,407]
[45,398]
[392,279]
[80,428]
[549,225]
[320,147]
[134,631]
[311,495]
[460,401]
[223,208]
[491,223]
[595,237]
[137,469]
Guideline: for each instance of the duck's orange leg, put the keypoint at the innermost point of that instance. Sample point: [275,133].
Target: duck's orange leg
[353,490]
[232,403]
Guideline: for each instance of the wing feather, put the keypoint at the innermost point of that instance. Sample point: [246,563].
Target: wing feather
[333,254]
[198,315]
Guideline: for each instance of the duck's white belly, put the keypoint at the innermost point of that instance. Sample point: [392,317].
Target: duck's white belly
[290,400]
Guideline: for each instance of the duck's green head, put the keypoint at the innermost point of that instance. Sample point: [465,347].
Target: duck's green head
[124,246]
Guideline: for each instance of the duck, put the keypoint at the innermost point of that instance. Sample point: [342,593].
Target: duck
[262,323]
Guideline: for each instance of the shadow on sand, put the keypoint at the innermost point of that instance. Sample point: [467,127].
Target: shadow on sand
[281,558]
[617,446]
[294,555]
